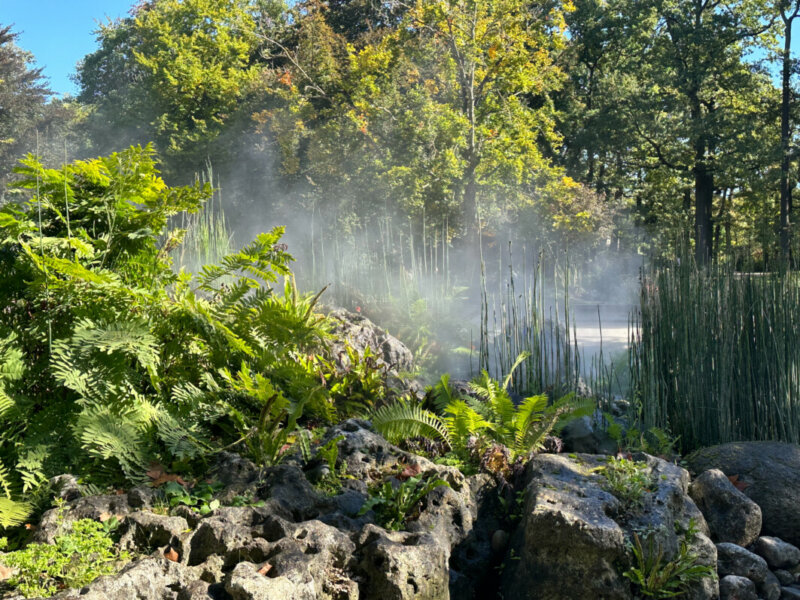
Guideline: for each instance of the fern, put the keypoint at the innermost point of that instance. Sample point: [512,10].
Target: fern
[401,420]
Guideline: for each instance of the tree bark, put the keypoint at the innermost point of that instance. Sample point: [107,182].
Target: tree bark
[785,224]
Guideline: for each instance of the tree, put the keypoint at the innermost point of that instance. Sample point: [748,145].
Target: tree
[23,98]
[177,72]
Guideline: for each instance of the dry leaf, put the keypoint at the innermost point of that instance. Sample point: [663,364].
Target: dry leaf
[739,485]
[409,471]
[171,554]
[5,572]
[159,475]
[264,569]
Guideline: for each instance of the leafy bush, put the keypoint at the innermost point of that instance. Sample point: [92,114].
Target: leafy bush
[110,359]
[394,504]
[77,557]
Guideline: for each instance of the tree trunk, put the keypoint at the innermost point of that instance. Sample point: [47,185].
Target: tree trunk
[786,190]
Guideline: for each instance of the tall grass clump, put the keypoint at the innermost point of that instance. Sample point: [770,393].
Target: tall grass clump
[531,316]
[714,354]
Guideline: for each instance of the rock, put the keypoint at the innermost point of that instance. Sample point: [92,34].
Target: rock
[141,496]
[361,333]
[217,535]
[402,566]
[790,593]
[246,583]
[777,553]
[147,579]
[98,508]
[583,435]
[573,536]
[499,540]
[66,487]
[733,587]
[731,516]
[233,470]
[785,577]
[770,589]
[735,560]
[770,474]
[146,531]
[196,590]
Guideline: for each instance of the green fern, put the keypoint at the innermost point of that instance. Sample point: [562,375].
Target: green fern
[401,420]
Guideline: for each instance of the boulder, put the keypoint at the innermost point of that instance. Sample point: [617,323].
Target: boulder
[770,589]
[785,577]
[735,560]
[790,593]
[770,477]
[573,538]
[361,333]
[98,508]
[147,579]
[777,553]
[733,587]
[731,516]
[146,531]
[402,566]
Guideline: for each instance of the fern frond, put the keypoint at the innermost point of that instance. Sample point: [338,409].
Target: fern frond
[13,512]
[463,421]
[108,436]
[401,420]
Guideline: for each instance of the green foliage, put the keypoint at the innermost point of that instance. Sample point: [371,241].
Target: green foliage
[656,577]
[405,419]
[200,497]
[395,503]
[110,359]
[79,555]
[716,354]
[628,480]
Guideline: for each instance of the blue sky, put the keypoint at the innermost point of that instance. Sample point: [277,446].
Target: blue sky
[59,32]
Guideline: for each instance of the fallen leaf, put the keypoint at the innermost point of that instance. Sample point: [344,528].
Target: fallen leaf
[159,475]
[264,569]
[171,554]
[409,471]
[739,485]
[5,572]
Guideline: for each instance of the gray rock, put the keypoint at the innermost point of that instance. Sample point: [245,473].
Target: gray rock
[777,553]
[785,577]
[790,593]
[771,472]
[735,560]
[584,435]
[98,508]
[196,590]
[731,516]
[147,579]
[146,531]
[66,487]
[402,566]
[573,535]
[141,496]
[217,535]
[246,583]
[770,589]
[733,587]
[361,333]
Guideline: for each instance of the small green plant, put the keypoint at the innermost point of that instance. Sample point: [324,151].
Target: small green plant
[513,509]
[395,504]
[656,577]
[331,483]
[200,497]
[628,480]
[654,440]
[81,554]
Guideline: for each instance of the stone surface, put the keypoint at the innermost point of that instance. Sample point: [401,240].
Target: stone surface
[790,593]
[573,535]
[777,553]
[145,531]
[361,333]
[732,587]
[770,472]
[99,508]
[731,516]
[785,577]
[735,560]
[770,588]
